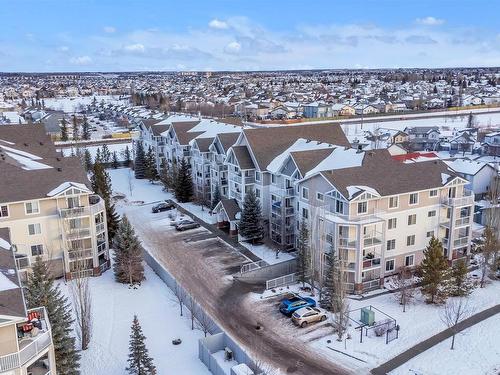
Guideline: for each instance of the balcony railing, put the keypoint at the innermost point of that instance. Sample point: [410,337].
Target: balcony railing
[235,178]
[369,263]
[22,262]
[80,254]
[466,200]
[100,227]
[75,233]
[236,195]
[370,285]
[372,240]
[82,274]
[462,221]
[462,241]
[347,242]
[101,247]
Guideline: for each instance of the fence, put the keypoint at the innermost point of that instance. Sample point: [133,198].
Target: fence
[271,271]
[204,353]
[281,281]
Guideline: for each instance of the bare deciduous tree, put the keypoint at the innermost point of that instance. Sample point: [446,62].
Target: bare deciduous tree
[455,311]
[405,290]
[204,322]
[180,295]
[192,307]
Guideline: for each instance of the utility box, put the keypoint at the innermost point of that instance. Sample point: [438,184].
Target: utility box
[367,316]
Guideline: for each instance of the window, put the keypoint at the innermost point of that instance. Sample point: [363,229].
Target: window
[410,240]
[320,197]
[4,211]
[392,223]
[412,219]
[433,193]
[273,179]
[430,234]
[391,244]
[34,229]
[431,213]
[413,198]
[393,202]
[257,193]
[362,207]
[305,193]
[36,250]
[73,202]
[305,213]
[31,207]
[409,260]
[389,265]
[339,206]
[257,176]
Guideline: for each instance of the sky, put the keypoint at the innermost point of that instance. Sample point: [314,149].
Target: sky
[165,35]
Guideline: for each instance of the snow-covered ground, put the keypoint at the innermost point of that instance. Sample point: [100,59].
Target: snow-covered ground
[419,322]
[74,104]
[477,352]
[118,147]
[114,306]
[266,253]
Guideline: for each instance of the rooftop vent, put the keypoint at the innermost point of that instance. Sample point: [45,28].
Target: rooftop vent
[26,144]
[59,169]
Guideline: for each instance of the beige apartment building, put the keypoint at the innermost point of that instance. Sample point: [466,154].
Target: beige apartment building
[48,206]
[380,215]
[26,346]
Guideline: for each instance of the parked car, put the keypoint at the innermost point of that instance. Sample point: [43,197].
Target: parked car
[164,206]
[306,315]
[186,224]
[289,305]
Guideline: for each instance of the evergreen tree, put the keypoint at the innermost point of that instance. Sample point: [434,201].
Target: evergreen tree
[216,197]
[41,291]
[461,284]
[64,129]
[126,156]
[328,295]
[85,129]
[139,361]
[151,173]
[165,176]
[87,160]
[303,254]
[106,154]
[101,184]
[183,183]
[434,272]
[127,266]
[98,156]
[76,130]
[140,161]
[250,225]
[115,160]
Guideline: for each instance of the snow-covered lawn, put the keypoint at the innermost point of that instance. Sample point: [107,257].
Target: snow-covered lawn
[73,104]
[266,253]
[114,306]
[477,352]
[419,322]
[119,148]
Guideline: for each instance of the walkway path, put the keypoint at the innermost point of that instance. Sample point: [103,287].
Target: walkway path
[434,340]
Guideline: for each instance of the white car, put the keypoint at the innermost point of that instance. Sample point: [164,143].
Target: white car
[302,317]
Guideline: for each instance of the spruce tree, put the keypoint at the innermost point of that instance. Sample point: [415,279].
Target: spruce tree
[106,154]
[76,130]
[328,294]
[127,266]
[64,129]
[461,284]
[434,272]
[183,183]
[303,254]
[216,197]
[85,129]
[151,173]
[87,160]
[126,156]
[140,161]
[41,291]
[139,361]
[250,225]
[115,160]
[165,176]
[98,156]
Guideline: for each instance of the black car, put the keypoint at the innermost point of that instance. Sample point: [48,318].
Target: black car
[164,206]
[186,224]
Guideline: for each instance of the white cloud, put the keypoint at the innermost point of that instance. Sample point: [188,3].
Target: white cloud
[138,47]
[218,24]
[429,21]
[233,47]
[63,48]
[109,29]
[81,60]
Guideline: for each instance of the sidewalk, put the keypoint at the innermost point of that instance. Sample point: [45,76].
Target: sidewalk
[434,340]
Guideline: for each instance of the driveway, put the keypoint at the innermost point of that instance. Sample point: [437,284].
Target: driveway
[203,265]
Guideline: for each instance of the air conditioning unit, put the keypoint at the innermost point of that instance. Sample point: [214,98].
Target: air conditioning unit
[228,354]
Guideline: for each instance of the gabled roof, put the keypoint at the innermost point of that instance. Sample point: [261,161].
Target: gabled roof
[203,143]
[307,160]
[227,139]
[243,157]
[267,143]
[230,206]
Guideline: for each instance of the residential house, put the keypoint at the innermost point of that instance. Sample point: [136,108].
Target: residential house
[478,174]
[423,138]
[48,206]
[491,143]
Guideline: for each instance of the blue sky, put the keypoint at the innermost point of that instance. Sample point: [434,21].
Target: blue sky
[126,35]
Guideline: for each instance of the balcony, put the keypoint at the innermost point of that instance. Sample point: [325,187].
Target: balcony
[101,246]
[82,274]
[235,178]
[80,254]
[462,221]
[371,262]
[466,200]
[22,261]
[100,227]
[461,241]
[236,195]
[76,233]
[372,239]
[347,242]
[223,181]
[34,337]
[287,192]
[250,179]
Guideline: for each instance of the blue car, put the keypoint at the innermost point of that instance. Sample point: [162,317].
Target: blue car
[289,305]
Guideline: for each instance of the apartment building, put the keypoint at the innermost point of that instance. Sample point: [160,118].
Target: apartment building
[151,130]
[379,214]
[26,346]
[48,206]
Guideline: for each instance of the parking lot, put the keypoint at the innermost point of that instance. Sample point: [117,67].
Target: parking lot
[204,265]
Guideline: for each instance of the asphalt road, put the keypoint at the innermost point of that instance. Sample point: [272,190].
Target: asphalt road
[204,265]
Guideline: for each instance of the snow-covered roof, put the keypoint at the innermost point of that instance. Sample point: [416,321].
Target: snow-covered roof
[66,185]
[339,158]
[465,166]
